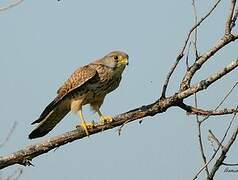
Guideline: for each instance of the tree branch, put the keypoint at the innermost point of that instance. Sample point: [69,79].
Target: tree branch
[230,17]
[199,124]
[226,39]
[207,82]
[229,164]
[201,112]
[216,151]
[27,154]
[222,157]
[233,23]
[181,54]
[9,134]
[17,2]
[24,156]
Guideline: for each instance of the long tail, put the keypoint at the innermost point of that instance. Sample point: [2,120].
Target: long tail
[51,119]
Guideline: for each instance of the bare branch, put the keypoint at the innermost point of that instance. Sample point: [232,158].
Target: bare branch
[207,82]
[200,139]
[9,134]
[222,157]
[233,23]
[200,112]
[13,4]
[25,155]
[229,164]
[230,17]
[205,165]
[216,151]
[215,138]
[187,56]
[196,30]
[181,54]
[16,174]
[226,148]
[203,58]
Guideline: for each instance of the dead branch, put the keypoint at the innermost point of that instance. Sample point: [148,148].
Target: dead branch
[222,157]
[181,54]
[9,134]
[199,124]
[229,164]
[24,156]
[16,174]
[217,165]
[230,17]
[212,136]
[220,145]
[200,112]
[27,154]
[203,58]
[11,5]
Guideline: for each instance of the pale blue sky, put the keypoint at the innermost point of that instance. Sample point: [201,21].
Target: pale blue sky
[43,42]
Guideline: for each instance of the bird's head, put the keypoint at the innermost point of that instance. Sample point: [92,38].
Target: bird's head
[115,60]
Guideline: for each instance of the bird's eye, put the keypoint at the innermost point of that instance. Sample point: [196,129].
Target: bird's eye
[116,57]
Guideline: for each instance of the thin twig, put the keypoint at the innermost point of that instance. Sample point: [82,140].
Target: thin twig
[204,84]
[230,17]
[229,164]
[225,149]
[216,151]
[16,174]
[187,56]
[219,145]
[223,100]
[195,26]
[233,23]
[208,113]
[190,110]
[120,128]
[200,138]
[205,165]
[211,134]
[181,54]
[196,29]
[9,134]
[229,126]
[222,157]
[11,5]
[203,58]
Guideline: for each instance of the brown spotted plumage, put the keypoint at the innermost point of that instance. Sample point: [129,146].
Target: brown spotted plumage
[87,85]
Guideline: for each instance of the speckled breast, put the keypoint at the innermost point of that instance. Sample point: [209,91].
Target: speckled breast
[107,83]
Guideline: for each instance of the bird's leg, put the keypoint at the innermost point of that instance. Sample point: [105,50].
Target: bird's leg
[85,125]
[103,118]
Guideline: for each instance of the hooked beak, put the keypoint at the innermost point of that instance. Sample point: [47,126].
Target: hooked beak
[125,60]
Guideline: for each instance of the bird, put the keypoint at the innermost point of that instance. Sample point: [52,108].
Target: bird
[87,85]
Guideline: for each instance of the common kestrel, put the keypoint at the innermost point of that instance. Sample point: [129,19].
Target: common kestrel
[87,85]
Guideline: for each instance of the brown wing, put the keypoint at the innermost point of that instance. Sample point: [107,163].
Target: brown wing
[78,78]
[60,106]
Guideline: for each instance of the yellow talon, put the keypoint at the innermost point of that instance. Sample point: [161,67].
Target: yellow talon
[85,125]
[105,119]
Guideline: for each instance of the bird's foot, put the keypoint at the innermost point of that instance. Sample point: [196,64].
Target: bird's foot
[105,119]
[86,126]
